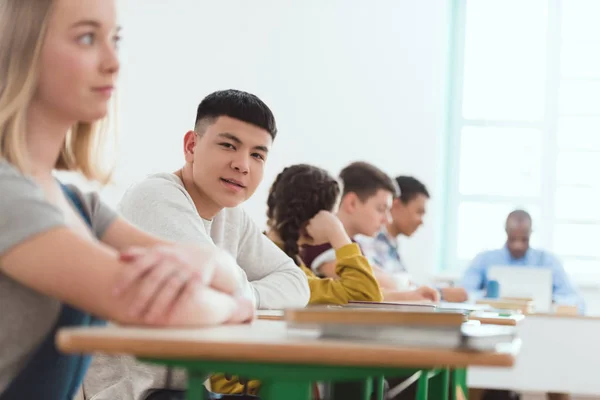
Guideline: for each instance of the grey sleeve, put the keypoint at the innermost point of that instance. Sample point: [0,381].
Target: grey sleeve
[24,210]
[275,278]
[100,214]
[160,207]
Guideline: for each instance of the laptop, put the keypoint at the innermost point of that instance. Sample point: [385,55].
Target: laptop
[525,282]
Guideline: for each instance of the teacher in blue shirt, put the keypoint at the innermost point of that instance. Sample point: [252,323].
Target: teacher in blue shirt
[518,253]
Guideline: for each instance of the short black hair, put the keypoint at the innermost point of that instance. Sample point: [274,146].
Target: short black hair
[519,215]
[410,188]
[365,180]
[235,104]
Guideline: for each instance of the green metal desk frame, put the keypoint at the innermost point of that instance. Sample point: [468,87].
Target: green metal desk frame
[294,381]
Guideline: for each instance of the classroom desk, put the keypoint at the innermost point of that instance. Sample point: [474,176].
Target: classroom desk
[559,354]
[285,360]
[485,317]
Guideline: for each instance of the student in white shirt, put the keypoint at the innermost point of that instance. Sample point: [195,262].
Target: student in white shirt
[407,212]
[225,156]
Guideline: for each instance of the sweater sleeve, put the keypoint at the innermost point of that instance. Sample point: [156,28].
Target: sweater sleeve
[355,282]
[276,280]
[160,207]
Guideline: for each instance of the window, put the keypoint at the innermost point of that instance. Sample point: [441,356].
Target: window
[525,128]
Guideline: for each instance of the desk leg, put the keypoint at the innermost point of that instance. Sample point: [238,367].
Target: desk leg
[379,387]
[439,385]
[459,384]
[423,386]
[282,390]
[196,389]
[351,390]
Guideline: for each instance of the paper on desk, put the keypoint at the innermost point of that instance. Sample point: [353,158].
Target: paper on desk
[464,306]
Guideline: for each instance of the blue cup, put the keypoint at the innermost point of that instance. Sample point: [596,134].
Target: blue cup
[493,290]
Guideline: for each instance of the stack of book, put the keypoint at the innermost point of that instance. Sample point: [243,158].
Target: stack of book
[526,306]
[407,325]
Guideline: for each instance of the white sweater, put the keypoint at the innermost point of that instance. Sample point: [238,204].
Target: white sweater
[160,205]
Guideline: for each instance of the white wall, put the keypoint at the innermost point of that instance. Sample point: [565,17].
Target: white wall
[347,80]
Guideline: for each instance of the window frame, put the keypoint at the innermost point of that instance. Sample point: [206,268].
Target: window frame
[449,262]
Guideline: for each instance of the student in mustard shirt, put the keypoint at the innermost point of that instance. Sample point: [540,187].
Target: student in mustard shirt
[301,210]
[301,207]
[364,209]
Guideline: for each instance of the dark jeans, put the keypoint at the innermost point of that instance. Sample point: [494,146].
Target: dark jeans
[170,394]
[500,395]
[165,394]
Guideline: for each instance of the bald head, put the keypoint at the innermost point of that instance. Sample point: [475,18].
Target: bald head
[518,232]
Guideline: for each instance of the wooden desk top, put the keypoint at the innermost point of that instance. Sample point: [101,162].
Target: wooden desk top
[267,341]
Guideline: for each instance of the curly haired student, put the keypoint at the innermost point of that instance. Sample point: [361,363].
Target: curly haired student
[303,216]
[301,210]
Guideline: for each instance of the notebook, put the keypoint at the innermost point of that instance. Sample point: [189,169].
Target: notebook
[413,328]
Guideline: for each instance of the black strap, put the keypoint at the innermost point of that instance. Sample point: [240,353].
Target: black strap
[78,204]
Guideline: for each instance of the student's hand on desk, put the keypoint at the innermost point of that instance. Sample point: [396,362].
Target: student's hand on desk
[325,227]
[428,293]
[419,294]
[454,294]
[244,311]
[165,274]
[204,306]
[386,281]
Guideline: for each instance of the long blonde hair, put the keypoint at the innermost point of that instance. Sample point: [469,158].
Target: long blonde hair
[23,26]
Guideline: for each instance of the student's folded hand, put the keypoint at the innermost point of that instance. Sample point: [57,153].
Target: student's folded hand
[455,294]
[161,275]
[423,293]
[244,311]
[325,227]
[428,293]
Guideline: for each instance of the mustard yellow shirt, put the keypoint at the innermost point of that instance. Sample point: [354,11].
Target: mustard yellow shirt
[355,282]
